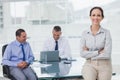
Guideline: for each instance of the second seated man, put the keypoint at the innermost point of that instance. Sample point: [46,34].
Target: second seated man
[57,42]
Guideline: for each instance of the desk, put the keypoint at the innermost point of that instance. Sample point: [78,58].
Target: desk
[54,70]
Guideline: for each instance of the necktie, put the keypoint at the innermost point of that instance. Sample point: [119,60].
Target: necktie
[22,47]
[56,45]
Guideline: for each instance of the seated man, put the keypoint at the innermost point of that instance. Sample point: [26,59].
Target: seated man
[56,42]
[18,56]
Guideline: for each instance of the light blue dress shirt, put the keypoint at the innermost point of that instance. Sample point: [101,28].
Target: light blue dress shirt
[13,54]
[96,42]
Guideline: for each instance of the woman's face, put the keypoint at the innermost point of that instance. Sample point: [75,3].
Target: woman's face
[96,17]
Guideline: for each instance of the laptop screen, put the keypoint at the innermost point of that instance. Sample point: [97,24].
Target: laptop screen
[49,56]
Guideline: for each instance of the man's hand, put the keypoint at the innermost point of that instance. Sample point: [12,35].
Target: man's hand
[23,64]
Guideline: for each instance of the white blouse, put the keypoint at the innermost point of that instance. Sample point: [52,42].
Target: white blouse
[96,42]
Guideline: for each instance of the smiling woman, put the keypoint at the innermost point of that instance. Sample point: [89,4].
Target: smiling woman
[95,47]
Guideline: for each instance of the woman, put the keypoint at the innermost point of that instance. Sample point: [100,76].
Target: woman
[96,46]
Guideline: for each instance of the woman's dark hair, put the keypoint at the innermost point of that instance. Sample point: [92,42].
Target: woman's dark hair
[97,8]
[57,28]
[19,31]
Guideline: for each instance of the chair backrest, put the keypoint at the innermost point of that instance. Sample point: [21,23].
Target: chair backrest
[3,49]
[6,72]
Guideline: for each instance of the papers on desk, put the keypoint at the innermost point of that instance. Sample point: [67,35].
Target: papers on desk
[37,64]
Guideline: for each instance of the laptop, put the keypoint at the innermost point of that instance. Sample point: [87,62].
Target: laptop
[49,56]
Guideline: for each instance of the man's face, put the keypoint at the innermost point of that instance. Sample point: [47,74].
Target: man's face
[22,38]
[56,34]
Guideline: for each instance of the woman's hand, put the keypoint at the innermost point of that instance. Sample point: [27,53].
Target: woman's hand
[85,49]
[101,51]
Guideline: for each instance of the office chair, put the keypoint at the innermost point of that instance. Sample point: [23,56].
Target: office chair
[6,72]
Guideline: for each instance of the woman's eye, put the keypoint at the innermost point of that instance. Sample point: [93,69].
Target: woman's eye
[93,15]
[96,15]
[99,15]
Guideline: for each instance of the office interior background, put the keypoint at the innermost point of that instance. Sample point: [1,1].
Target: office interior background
[38,17]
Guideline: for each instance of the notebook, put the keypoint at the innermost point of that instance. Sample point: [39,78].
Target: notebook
[49,56]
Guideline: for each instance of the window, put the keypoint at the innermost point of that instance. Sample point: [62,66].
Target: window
[35,22]
[39,16]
